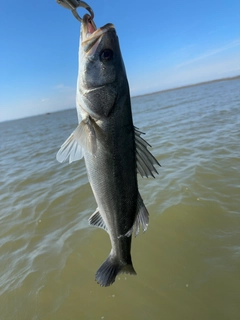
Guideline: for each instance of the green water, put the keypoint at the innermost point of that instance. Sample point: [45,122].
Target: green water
[188,261]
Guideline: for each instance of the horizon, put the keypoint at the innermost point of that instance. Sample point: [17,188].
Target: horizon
[183,44]
[137,96]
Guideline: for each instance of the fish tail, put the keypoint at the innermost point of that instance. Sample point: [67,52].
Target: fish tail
[106,274]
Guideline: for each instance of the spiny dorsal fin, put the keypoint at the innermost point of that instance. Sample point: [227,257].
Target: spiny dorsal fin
[145,160]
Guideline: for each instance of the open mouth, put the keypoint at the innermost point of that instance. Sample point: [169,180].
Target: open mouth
[88,26]
[90,35]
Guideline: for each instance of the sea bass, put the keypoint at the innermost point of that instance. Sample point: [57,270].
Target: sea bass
[113,150]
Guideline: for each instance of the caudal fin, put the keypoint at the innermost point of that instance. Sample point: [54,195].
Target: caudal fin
[110,268]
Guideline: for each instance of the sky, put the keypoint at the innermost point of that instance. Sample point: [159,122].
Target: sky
[164,44]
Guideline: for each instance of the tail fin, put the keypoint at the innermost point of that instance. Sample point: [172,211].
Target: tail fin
[106,274]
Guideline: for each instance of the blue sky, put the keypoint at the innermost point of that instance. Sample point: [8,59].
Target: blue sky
[164,44]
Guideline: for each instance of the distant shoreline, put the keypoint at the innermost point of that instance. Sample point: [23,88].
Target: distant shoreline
[187,86]
[133,97]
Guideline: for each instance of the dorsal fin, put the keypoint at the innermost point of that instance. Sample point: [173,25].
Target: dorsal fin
[141,219]
[145,160]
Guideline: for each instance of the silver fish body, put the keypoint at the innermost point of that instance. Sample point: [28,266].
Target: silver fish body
[112,147]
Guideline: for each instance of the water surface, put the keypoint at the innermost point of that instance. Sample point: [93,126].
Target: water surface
[188,261]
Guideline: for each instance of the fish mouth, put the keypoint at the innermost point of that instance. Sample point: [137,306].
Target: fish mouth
[90,35]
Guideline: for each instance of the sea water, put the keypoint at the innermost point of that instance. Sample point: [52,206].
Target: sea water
[188,261]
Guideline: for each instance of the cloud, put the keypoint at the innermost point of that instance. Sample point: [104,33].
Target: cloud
[213,52]
[190,73]
[63,88]
[184,51]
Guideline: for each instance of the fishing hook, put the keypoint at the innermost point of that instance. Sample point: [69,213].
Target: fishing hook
[73,5]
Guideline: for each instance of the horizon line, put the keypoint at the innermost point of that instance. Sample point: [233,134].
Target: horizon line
[187,86]
[140,95]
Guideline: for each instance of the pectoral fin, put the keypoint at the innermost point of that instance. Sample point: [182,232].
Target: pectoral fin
[145,160]
[83,138]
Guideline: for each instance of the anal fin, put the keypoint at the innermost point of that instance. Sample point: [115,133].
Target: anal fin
[96,220]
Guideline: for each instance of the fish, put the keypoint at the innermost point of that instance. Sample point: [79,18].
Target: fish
[112,147]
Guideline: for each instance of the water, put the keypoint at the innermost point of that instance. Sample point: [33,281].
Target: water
[188,261]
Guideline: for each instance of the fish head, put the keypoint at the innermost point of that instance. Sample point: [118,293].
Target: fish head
[100,55]
[101,69]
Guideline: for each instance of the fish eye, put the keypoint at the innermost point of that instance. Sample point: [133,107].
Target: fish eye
[106,55]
